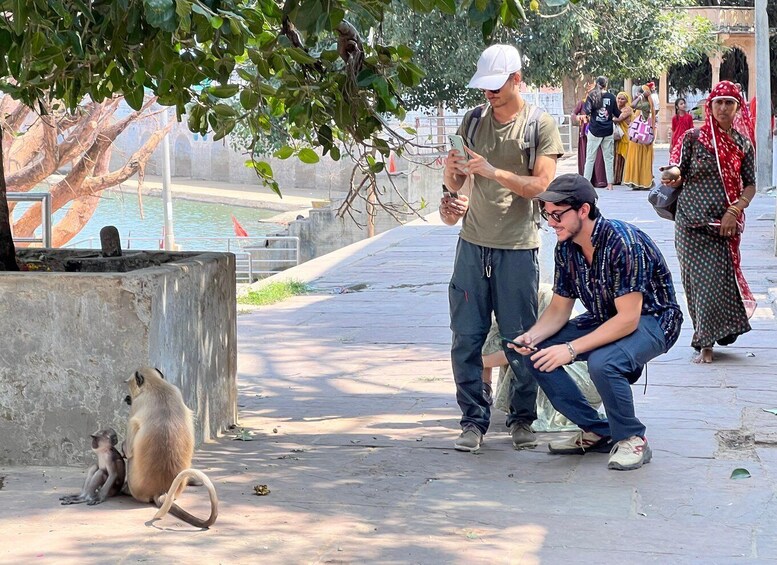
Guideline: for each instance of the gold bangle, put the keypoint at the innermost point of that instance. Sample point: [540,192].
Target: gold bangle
[745,198]
[731,210]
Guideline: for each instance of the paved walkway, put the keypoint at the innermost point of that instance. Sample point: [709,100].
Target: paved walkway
[350,401]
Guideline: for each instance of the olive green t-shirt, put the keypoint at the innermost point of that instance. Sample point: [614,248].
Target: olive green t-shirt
[497,217]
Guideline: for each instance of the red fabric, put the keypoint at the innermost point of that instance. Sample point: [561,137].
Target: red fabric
[680,124]
[729,158]
[239,231]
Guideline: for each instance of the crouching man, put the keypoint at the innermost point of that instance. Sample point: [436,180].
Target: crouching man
[622,280]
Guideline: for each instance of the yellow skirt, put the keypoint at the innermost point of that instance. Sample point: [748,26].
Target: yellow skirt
[638,172]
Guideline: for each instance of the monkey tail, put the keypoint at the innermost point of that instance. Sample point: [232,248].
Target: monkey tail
[168,505]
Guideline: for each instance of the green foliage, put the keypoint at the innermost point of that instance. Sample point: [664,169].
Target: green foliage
[446,47]
[274,292]
[615,39]
[224,62]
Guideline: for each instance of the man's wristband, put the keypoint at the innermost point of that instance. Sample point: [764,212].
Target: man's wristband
[572,351]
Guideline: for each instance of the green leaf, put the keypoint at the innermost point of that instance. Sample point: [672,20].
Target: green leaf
[336,15]
[740,473]
[134,97]
[770,410]
[216,22]
[284,152]
[300,56]
[223,91]
[446,6]
[160,14]
[307,155]
[224,110]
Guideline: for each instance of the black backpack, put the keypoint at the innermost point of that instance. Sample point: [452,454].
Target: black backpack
[530,135]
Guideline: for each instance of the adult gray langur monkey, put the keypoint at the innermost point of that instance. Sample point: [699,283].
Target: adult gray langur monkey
[106,477]
[160,445]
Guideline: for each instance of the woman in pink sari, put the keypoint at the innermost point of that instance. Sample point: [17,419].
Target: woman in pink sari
[717,166]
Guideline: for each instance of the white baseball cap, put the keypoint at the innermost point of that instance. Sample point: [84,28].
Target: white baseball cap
[494,66]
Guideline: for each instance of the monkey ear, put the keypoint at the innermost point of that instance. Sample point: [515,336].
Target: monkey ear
[160,373]
[139,379]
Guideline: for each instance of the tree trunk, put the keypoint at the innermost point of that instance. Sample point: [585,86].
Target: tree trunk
[7,249]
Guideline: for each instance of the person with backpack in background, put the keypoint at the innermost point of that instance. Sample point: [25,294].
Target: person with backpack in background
[496,264]
[600,107]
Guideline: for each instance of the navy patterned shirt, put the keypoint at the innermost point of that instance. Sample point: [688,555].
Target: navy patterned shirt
[625,260]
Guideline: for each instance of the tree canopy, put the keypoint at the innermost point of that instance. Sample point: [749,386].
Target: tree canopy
[304,60]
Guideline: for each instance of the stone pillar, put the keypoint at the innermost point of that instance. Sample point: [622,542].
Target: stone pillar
[665,115]
[715,61]
[627,86]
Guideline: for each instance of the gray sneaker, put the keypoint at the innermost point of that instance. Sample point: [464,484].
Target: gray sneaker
[469,440]
[523,436]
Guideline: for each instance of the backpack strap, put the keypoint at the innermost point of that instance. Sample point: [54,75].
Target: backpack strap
[472,126]
[531,135]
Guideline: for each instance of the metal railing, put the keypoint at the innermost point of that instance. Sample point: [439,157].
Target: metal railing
[45,215]
[255,257]
[432,132]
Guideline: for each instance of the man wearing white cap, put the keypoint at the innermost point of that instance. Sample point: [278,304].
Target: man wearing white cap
[496,265]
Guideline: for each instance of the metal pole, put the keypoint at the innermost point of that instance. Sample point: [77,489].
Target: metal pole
[167,199]
[763,130]
[46,220]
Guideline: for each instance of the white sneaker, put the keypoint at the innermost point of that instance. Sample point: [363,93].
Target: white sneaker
[580,443]
[629,454]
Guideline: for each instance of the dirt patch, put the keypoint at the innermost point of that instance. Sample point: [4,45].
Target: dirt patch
[735,444]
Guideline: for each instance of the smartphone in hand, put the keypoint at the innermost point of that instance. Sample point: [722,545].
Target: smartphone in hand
[519,343]
[457,143]
[448,193]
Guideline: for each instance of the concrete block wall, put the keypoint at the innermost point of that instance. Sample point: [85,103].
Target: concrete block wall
[72,339]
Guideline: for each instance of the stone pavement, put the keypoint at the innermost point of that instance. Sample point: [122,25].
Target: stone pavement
[348,394]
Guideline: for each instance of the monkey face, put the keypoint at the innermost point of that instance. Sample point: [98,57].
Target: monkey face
[104,438]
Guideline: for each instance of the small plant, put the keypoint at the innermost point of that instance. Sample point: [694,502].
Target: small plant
[274,292]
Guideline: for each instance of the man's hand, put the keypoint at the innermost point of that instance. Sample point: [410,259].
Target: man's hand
[455,165]
[477,165]
[551,358]
[452,209]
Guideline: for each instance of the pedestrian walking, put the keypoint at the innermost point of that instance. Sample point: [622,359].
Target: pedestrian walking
[717,178]
[600,107]
[638,173]
[580,119]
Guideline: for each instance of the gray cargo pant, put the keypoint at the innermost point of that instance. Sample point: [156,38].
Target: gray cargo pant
[486,280]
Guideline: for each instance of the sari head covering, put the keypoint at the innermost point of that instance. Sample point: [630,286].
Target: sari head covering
[628,97]
[728,156]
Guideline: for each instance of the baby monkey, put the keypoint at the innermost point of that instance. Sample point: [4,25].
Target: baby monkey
[106,477]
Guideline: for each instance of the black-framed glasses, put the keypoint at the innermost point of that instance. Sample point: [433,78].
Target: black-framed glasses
[555,216]
[509,78]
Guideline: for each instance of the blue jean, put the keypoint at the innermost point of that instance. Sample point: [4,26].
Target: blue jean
[613,368]
[486,280]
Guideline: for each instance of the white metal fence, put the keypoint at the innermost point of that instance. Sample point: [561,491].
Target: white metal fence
[255,257]
[432,132]
[45,212]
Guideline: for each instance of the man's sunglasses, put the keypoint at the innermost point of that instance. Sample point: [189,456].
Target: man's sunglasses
[555,216]
[501,87]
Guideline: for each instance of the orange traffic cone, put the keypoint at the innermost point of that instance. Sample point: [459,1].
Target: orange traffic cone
[392,164]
